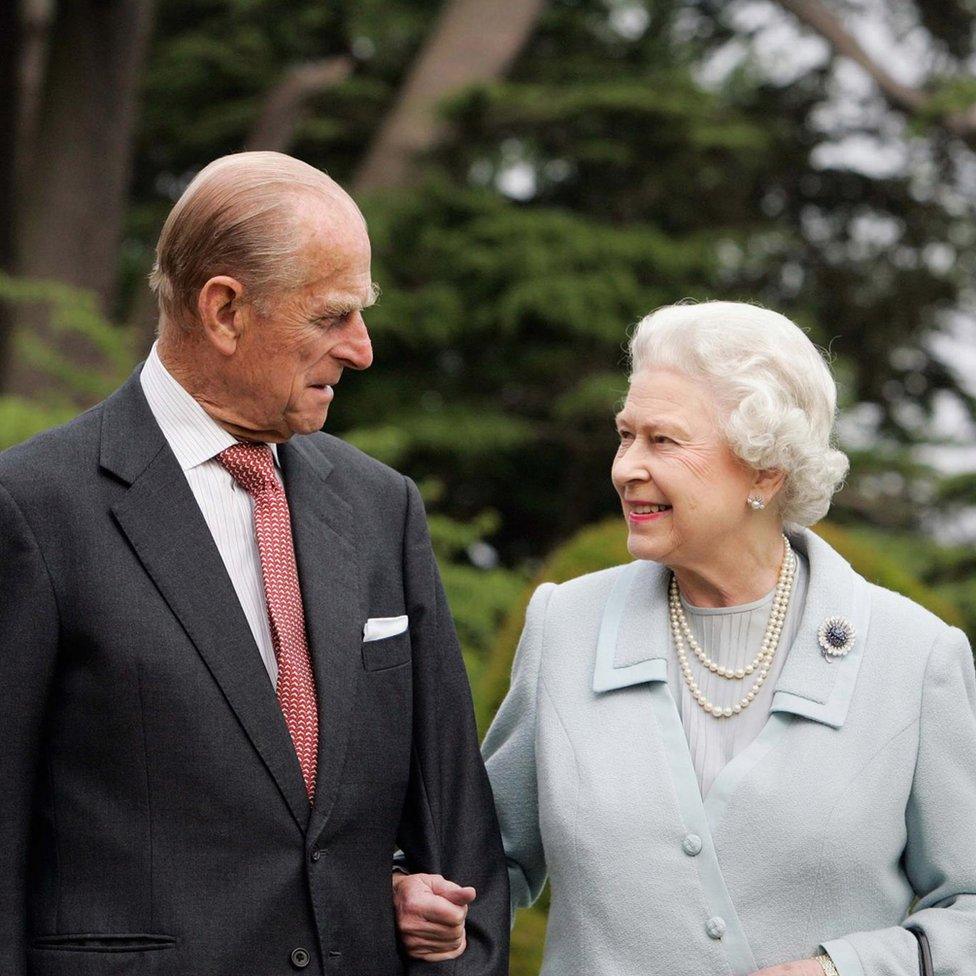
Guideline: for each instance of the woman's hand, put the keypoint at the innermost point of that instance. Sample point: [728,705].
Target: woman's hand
[799,967]
[430,914]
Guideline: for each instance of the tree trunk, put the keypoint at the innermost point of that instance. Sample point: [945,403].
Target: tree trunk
[473,41]
[10,100]
[77,164]
[284,105]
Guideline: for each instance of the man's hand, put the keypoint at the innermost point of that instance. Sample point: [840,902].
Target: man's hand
[799,967]
[430,914]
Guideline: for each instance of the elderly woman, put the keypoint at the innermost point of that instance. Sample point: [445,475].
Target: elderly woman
[733,754]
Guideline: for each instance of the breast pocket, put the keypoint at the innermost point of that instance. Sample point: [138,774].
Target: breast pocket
[388,652]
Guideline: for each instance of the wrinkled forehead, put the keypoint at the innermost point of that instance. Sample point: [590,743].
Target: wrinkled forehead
[659,396]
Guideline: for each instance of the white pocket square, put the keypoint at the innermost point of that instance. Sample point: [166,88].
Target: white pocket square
[379,627]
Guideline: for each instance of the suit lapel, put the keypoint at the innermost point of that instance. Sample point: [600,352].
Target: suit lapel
[164,525]
[323,525]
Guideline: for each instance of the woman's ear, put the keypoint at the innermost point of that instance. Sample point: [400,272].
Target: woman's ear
[768,483]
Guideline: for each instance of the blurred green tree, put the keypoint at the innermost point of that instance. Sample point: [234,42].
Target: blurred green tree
[611,170]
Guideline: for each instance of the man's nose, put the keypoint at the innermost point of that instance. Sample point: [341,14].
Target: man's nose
[356,348]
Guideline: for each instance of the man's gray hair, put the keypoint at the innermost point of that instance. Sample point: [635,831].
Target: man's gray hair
[238,218]
[776,397]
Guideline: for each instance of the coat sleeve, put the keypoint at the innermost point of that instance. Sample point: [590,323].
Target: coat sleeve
[28,648]
[509,751]
[448,825]
[940,851]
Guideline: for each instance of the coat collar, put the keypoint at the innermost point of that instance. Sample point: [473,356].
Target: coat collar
[634,643]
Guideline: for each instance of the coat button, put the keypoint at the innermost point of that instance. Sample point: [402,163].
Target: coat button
[715,927]
[316,854]
[692,845]
[300,958]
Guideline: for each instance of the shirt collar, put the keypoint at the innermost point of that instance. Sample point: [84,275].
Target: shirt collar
[194,436]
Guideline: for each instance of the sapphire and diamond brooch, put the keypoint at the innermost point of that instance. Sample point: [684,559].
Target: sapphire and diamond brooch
[835,637]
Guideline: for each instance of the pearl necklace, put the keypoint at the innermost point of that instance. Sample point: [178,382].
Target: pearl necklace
[681,632]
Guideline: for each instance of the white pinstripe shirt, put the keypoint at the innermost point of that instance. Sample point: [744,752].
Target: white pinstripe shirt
[196,439]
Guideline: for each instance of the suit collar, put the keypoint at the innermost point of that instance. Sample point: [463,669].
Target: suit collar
[130,439]
[634,643]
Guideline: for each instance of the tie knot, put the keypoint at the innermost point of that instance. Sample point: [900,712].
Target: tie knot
[252,466]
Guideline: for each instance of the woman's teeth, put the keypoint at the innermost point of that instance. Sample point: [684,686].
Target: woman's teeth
[649,509]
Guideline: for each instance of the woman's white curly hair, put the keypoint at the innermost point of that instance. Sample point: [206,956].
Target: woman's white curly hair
[776,396]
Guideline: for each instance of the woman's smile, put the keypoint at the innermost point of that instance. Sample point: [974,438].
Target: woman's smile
[640,512]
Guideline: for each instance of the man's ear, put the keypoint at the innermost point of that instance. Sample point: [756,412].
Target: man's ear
[221,312]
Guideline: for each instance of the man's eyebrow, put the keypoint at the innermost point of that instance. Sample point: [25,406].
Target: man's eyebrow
[343,305]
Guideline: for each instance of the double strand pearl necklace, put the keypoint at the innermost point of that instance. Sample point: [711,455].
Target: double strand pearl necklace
[681,632]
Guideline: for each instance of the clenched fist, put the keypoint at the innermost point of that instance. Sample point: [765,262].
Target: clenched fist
[430,914]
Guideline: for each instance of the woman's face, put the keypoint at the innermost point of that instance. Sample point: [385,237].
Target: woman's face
[683,492]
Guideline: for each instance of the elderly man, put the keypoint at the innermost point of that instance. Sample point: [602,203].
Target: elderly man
[231,682]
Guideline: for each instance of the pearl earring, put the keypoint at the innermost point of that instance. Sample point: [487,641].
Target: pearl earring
[756,503]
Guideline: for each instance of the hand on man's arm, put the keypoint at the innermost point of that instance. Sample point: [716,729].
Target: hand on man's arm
[430,915]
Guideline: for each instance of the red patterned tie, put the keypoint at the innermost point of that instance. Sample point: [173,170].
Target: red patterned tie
[252,467]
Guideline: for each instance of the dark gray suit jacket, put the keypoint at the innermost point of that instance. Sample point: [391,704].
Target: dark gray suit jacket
[153,816]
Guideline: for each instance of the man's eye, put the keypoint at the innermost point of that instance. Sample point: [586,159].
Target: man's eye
[625,435]
[661,439]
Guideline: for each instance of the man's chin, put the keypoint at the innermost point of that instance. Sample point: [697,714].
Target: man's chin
[309,422]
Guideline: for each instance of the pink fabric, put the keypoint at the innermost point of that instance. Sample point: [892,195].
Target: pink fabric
[252,467]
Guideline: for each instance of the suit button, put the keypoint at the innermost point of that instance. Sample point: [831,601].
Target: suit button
[316,854]
[692,845]
[715,927]
[300,958]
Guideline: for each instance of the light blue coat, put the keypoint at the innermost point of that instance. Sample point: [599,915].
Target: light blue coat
[858,797]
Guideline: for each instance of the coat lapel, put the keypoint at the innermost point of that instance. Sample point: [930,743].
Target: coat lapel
[810,685]
[164,525]
[634,642]
[323,525]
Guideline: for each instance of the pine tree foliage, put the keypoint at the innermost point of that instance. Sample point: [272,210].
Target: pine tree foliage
[610,172]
